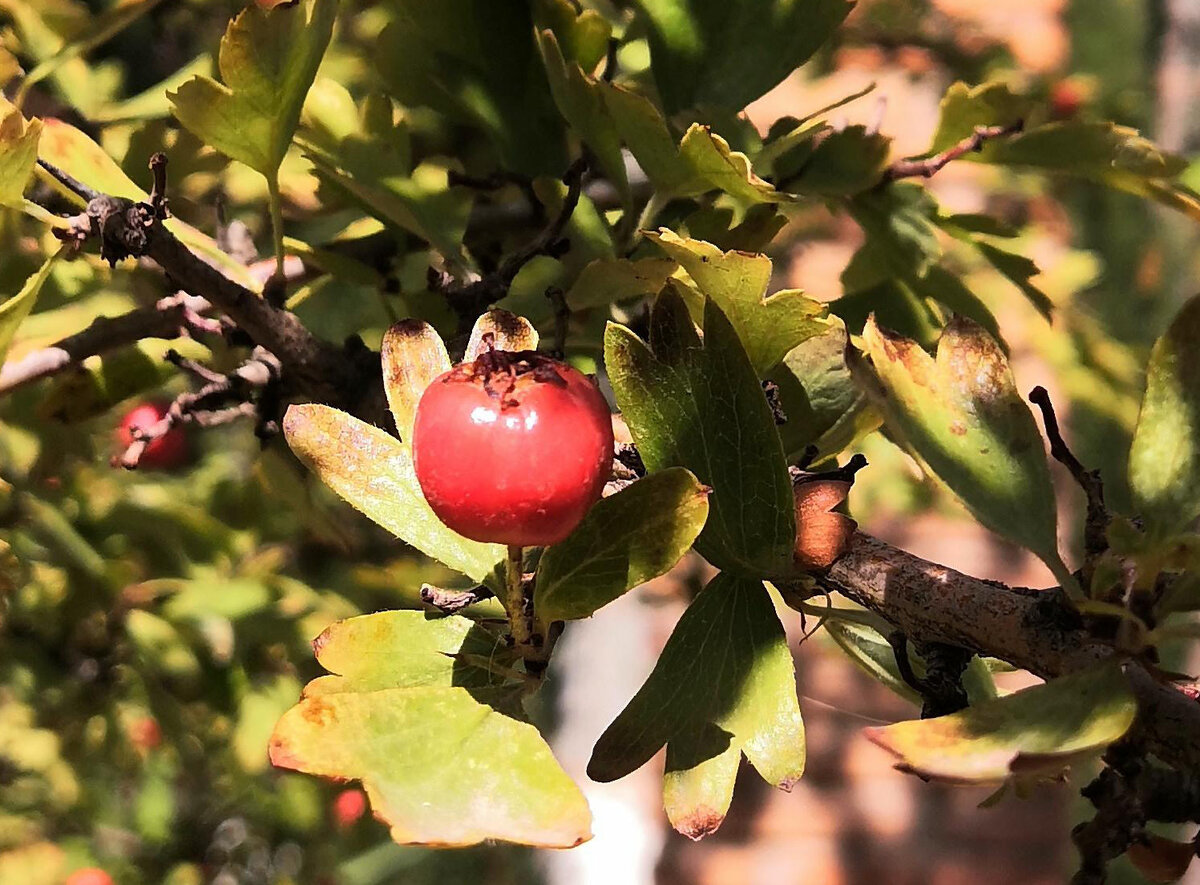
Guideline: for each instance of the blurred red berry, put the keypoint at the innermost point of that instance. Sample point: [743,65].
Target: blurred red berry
[145,734]
[89,876]
[168,451]
[348,807]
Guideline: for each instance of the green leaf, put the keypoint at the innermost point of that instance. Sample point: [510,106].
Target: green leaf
[582,104]
[408,649]
[901,235]
[962,416]
[475,62]
[440,767]
[373,472]
[625,540]
[702,407]
[711,159]
[737,283]
[870,650]
[963,108]
[268,59]
[18,154]
[607,280]
[1044,726]
[413,355]
[724,684]
[845,162]
[14,311]
[1164,461]
[1019,270]
[152,103]
[713,52]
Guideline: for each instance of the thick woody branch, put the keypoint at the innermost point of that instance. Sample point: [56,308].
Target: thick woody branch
[1031,629]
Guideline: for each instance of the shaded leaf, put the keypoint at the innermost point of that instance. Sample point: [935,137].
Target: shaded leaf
[268,60]
[712,52]
[737,283]
[724,682]
[413,355]
[870,650]
[702,407]
[1047,724]
[1164,461]
[901,235]
[154,102]
[372,471]
[438,766]
[846,161]
[1019,270]
[962,416]
[14,311]
[625,540]
[607,280]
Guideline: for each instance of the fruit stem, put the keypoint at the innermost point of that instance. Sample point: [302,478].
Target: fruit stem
[518,602]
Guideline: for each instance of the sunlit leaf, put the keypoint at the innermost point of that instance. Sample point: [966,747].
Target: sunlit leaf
[723,684]
[1164,461]
[625,540]
[737,283]
[702,407]
[18,153]
[605,281]
[268,60]
[507,331]
[14,311]
[962,416]
[439,766]
[1045,725]
[373,472]
[413,354]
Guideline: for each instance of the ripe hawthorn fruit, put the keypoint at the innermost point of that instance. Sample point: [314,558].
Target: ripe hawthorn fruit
[168,451]
[512,448]
[348,807]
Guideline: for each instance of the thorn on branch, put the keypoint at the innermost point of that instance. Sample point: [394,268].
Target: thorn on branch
[941,688]
[1095,532]
[450,602]
[74,185]
[158,191]
[930,166]
[771,392]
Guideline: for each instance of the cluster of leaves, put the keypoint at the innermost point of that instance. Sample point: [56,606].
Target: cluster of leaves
[379,157]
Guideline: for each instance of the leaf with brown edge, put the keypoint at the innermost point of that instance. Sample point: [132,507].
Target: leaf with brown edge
[1042,726]
[822,535]
[440,766]
[413,354]
[961,415]
[723,686]
[507,330]
[373,472]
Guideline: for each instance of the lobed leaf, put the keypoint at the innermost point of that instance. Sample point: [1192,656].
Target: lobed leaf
[723,685]
[702,407]
[373,472]
[625,540]
[413,355]
[737,283]
[439,766]
[1046,725]
[960,413]
[1164,460]
[268,60]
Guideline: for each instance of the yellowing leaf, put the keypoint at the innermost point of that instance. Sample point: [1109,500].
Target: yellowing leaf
[413,355]
[507,330]
[14,311]
[724,168]
[439,766]
[18,153]
[1164,461]
[268,60]
[1044,725]
[373,472]
[960,413]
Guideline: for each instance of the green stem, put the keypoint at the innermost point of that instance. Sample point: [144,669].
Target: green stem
[276,203]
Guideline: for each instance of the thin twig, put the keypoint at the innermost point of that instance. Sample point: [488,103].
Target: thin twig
[930,166]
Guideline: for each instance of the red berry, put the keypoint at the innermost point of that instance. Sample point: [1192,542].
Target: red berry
[512,448]
[145,734]
[89,876]
[167,451]
[348,807]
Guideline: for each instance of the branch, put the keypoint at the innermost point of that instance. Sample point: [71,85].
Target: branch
[930,166]
[1034,630]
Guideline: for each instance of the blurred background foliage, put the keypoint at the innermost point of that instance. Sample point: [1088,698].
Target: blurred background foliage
[154,625]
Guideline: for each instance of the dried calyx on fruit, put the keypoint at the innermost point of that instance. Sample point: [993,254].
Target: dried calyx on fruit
[512,448]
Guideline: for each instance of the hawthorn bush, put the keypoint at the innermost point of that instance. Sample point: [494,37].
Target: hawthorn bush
[507,186]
